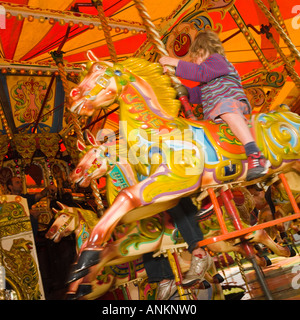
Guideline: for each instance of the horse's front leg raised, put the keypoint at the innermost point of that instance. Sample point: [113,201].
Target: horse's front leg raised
[124,202]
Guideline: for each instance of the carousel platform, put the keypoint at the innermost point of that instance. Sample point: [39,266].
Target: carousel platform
[282,279]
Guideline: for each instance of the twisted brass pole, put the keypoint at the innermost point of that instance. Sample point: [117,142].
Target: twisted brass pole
[160,49]
[112,51]
[289,67]
[279,29]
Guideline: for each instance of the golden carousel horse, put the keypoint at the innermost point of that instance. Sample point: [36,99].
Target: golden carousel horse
[168,157]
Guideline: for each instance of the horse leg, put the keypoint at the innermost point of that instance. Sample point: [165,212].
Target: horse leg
[113,253]
[224,246]
[261,236]
[86,275]
[90,288]
[128,199]
[71,293]
[90,255]
[212,275]
[82,283]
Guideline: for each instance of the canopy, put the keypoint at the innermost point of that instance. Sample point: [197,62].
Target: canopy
[32,29]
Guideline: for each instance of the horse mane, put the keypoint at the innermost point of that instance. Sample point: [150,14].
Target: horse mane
[89,216]
[161,84]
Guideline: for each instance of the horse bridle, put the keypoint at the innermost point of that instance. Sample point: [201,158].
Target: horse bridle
[103,81]
[66,224]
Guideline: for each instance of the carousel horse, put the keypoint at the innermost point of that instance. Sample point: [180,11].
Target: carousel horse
[209,224]
[281,201]
[170,157]
[132,242]
[81,222]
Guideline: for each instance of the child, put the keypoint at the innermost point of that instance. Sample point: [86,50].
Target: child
[220,92]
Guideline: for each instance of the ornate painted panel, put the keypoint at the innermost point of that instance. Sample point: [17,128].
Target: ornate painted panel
[18,249]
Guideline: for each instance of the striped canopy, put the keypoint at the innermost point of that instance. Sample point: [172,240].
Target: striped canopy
[31,29]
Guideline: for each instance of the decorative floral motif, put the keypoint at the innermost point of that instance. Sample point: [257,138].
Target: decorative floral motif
[25,145]
[49,144]
[28,96]
[23,268]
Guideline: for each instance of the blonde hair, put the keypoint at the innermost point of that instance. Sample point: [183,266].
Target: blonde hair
[206,41]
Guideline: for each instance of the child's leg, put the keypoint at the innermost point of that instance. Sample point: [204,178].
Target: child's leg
[238,126]
[257,164]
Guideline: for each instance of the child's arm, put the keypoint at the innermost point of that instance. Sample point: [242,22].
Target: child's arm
[213,67]
[194,94]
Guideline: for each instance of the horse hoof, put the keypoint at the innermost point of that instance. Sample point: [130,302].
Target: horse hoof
[76,275]
[292,251]
[217,278]
[83,290]
[87,259]
[268,261]
[205,285]
[71,296]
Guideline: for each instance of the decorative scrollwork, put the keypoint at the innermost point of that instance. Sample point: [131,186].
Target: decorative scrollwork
[147,230]
[278,136]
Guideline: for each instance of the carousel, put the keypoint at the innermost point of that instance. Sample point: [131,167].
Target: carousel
[86,107]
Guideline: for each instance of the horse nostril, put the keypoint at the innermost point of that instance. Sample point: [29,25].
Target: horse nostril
[51,232]
[78,170]
[74,92]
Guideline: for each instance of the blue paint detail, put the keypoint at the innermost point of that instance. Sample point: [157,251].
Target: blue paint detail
[118,73]
[209,151]
[230,170]
[117,175]
[83,237]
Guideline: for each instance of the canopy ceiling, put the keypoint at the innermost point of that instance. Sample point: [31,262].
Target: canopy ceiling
[34,28]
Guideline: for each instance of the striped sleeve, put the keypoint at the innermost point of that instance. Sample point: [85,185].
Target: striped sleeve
[213,67]
[195,95]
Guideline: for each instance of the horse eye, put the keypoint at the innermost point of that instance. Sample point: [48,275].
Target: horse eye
[99,67]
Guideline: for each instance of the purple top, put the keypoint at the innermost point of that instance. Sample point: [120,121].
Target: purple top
[218,77]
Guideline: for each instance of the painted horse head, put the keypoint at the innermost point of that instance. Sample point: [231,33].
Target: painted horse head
[104,83]
[95,161]
[70,219]
[101,85]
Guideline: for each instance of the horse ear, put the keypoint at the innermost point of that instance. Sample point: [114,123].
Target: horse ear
[110,64]
[91,138]
[55,210]
[81,146]
[62,206]
[91,56]
[83,66]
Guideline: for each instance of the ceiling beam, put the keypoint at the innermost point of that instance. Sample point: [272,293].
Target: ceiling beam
[25,11]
